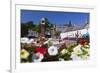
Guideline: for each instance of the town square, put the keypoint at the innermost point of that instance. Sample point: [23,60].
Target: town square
[48,36]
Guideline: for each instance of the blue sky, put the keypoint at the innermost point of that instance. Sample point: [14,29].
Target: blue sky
[54,17]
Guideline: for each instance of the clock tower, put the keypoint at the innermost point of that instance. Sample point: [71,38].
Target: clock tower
[42,27]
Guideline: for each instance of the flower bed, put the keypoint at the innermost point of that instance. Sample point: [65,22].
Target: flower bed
[46,51]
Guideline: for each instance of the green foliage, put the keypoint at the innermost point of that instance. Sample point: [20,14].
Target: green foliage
[35,27]
[26,26]
[67,55]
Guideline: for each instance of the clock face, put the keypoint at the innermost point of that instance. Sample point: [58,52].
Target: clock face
[43,22]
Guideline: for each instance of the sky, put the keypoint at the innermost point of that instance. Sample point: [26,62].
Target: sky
[54,17]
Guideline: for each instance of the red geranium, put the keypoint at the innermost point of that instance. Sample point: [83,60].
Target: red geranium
[41,50]
[82,41]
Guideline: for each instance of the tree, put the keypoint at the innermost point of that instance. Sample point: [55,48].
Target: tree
[57,34]
[30,25]
[25,27]
[24,30]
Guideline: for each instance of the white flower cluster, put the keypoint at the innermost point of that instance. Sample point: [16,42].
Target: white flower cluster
[80,52]
[53,50]
[38,57]
[26,40]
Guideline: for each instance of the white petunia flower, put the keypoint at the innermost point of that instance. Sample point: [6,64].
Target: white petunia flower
[80,53]
[37,57]
[86,49]
[24,40]
[75,57]
[85,57]
[53,50]
[77,50]
[77,47]
[87,46]
[64,51]
[30,41]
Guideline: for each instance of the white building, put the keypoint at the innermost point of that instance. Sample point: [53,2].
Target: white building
[32,33]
